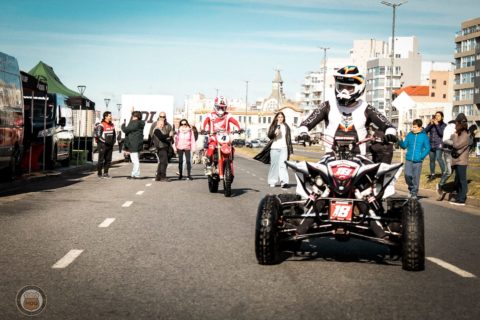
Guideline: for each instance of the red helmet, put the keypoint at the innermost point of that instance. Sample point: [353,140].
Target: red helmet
[220,105]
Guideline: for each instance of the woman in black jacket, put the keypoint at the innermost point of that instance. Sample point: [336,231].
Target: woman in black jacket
[277,151]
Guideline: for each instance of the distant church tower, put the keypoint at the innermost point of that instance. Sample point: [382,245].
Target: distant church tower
[276,99]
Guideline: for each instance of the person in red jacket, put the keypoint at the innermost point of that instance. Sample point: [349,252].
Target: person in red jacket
[218,119]
[105,137]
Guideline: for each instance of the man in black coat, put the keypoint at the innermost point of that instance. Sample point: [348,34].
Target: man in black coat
[134,141]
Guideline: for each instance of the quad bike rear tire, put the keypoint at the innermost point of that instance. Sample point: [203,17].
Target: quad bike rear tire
[413,237]
[227,179]
[267,247]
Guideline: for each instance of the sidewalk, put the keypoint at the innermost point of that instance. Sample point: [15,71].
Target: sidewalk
[117,157]
[432,195]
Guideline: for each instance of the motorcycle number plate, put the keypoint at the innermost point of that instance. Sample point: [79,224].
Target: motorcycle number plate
[223,137]
[341,210]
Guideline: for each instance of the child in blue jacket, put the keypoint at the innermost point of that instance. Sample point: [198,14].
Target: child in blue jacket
[418,146]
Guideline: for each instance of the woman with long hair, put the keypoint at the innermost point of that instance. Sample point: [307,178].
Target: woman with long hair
[280,146]
[184,145]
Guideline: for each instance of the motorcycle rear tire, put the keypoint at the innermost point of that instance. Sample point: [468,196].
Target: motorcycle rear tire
[413,237]
[267,248]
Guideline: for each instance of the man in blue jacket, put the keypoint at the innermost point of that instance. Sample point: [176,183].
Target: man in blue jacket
[418,146]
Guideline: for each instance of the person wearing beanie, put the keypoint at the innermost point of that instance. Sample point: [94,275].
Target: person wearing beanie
[435,134]
[460,159]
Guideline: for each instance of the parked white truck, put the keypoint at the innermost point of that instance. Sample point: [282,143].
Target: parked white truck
[150,106]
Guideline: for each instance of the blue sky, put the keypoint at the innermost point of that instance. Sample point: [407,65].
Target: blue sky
[184,47]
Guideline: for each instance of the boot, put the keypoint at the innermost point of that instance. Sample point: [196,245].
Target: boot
[189,177]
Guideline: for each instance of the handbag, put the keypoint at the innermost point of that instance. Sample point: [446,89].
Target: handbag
[456,153]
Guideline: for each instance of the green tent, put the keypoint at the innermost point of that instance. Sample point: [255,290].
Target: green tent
[43,71]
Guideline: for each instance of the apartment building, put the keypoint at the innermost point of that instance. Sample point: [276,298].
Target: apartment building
[466,96]
[407,71]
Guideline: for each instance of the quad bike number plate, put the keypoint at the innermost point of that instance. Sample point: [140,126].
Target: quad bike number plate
[341,210]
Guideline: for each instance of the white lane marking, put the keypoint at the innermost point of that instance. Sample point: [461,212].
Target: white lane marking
[67,259]
[451,267]
[248,172]
[148,185]
[253,174]
[139,193]
[107,222]
[261,179]
[127,204]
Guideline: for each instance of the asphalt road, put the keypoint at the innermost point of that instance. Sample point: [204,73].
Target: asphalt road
[175,251]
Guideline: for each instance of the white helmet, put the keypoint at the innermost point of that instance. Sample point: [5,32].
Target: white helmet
[220,105]
[349,85]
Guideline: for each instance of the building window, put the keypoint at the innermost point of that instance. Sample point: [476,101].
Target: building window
[432,94]
[295,120]
[444,83]
[444,96]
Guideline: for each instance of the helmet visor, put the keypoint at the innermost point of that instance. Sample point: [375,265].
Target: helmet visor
[350,88]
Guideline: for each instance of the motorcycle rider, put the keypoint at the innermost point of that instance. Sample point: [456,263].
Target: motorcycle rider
[218,119]
[347,115]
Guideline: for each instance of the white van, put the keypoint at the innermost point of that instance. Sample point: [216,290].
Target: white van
[150,106]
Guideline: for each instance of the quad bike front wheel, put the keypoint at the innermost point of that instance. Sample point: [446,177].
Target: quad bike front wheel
[413,237]
[267,247]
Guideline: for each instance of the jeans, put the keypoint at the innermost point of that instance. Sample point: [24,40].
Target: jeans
[136,164]
[447,156]
[278,168]
[186,160]
[436,155]
[412,176]
[461,183]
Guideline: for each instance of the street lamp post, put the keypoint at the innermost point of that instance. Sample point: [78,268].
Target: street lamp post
[388,112]
[246,108]
[81,90]
[107,101]
[324,69]
[119,107]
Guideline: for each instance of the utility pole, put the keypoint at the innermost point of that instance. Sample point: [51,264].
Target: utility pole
[388,112]
[246,108]
[324,70]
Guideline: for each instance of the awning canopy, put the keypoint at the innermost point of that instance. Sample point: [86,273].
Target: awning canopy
[44,72]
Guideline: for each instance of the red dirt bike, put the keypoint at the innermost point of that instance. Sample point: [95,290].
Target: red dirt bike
[221,162]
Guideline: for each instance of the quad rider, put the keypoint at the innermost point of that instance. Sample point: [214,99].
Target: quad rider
[347,115]
[217,120]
